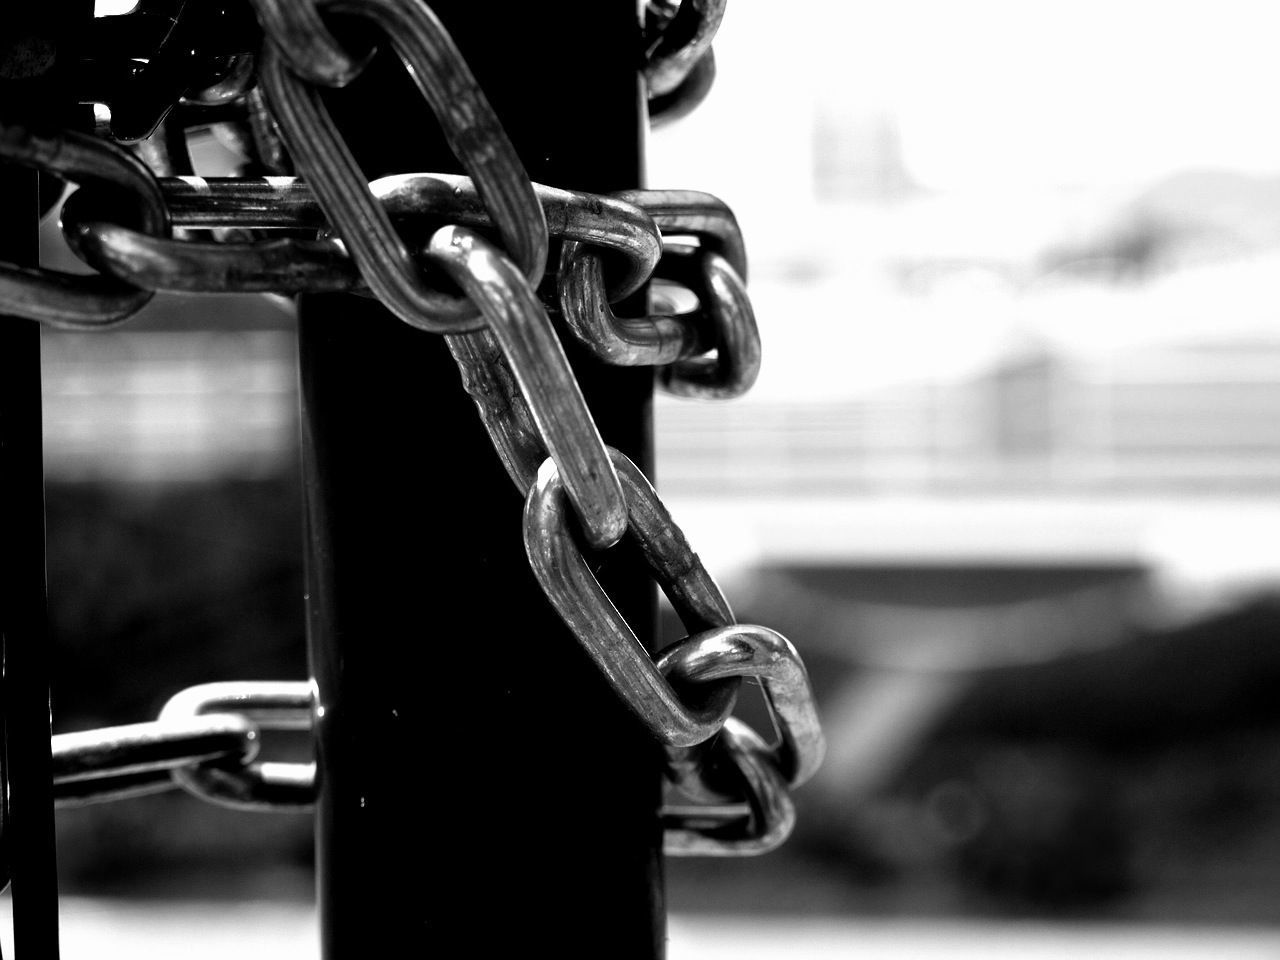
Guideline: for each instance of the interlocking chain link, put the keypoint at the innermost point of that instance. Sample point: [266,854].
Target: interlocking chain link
[473,133]
[69,300]
[679,65]
[114,762]
[489,232]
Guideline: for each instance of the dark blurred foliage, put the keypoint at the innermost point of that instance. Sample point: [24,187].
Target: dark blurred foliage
[1138,779]
[152,589]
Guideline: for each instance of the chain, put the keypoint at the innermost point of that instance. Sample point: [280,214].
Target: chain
[331,229]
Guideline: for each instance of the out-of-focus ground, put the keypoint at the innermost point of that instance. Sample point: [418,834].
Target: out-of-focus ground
[118,929]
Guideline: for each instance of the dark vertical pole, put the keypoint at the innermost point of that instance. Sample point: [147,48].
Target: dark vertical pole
[37,43]
[28,828]
[482,792]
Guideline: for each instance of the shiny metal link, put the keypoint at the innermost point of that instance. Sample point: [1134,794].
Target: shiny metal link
[284,265]
[270,705]
[685,98]
[523,331]
[681,33]
[761,825]
[692,213]
[71,300]
[572,588]
[322,266]
[306,44]
[724,321]
[113,762]
[726,309]
[746,650]
[395,237]
[629,236]
[502,408]
[207,202]
[473,133]
[654,340]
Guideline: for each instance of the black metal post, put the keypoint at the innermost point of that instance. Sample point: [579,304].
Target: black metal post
[28,828]
[37,48]
[482,792]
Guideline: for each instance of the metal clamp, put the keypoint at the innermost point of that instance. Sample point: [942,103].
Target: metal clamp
[71,300]
[270,705]
[572,588]
[474,135]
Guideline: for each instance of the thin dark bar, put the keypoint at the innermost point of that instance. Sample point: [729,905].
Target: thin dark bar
[37,61]
[28,830]
[482,791]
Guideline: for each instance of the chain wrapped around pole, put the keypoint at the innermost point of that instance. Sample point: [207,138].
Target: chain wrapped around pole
[473,249]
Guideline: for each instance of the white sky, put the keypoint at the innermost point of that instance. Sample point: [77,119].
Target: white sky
[998,103]
[1003,91]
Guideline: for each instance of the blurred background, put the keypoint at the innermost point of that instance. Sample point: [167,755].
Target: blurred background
[1010,481]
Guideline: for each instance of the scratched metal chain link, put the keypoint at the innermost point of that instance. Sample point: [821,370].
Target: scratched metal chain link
[330,229]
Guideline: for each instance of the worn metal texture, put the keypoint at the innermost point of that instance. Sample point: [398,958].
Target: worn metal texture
[253,784]
[475,136]
[748,650]
[430,638]
[739,830]
[530,348]
[112,175]
[562,568]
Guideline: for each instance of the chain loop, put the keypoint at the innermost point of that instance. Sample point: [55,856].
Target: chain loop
[572,588]
[489,381]
[111,762]
[283,265]
[692,213]
[628,235]
[271,705]
[724,321]
[654,340]
[726,309]
[312,52]
[685,98]
[522,329]
[70,300]
[731,831]
[746,650]
[474,135]
[380,234]
[678,34]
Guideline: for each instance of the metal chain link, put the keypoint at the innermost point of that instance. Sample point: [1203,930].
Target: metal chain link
[679,65]
[375,237]
[70,300]
[473,133]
